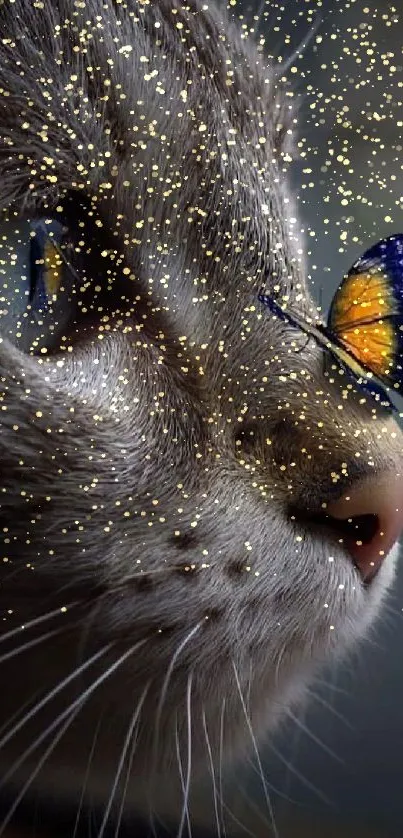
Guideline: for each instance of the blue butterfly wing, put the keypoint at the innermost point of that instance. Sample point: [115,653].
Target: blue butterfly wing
[275,309]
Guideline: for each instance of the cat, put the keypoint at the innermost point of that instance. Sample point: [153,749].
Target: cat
[169,582]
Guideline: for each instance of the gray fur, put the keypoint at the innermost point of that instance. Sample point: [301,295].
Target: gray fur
[152,411]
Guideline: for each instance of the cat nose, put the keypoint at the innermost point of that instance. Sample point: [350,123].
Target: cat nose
[370,517]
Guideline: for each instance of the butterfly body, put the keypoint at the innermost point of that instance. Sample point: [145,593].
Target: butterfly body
[364,332]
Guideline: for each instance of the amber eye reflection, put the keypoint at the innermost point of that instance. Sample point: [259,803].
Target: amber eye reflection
[37,282]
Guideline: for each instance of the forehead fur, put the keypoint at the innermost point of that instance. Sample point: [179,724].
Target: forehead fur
[98,90]
[94,98]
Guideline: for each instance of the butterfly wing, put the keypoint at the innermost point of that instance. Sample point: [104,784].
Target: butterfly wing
[305,324]
[366,315]
[335,351]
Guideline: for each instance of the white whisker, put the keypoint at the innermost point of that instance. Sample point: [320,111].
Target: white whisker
[49,696]
[314,738]
[254,743]
[238,822]
[332,687]
[295,744]
[331,709]
[40,764]
[255,807]
[84,788]
[270,785]
[300,776]
[128,773]
[185,813]
[167,679]
[186,782]
[19,713]
[285,66]
[259,15]
[221,754]
[30,644]
[212,772]
[37,621]
[160,705]
[119,769]
[78,701]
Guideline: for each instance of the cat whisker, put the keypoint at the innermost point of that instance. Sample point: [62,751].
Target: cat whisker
[388,619]
[161,701]
[56,612]
[283,67]
[257,19]
[255,807]
[52,694]
[218,794]
[127,778]
[78,702]
[270,785]
[30,644]
[331,709]
[396,612]
[119,769]
[166,681]
[296,773]
[256,750]
[40,764]
[237,821]
[186,780]
[221,759]
[85,782]
[370,641]
[19,713]
[212,772]
[314,738]
[185,813]
[296,736]
[332,687]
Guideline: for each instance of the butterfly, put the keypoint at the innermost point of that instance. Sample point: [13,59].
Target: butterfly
[364,331]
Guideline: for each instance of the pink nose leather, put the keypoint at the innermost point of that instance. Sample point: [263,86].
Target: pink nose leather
[382,497]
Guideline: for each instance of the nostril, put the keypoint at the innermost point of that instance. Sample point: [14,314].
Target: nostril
[367,520]
[371,517]
[357,532]
[361,528]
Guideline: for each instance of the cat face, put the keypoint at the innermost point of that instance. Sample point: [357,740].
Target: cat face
[164,460]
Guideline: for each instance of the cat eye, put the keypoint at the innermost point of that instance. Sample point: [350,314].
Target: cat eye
[37,281]
[46,263]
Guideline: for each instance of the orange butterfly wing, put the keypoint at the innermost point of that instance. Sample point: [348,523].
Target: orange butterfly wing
[363,318]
